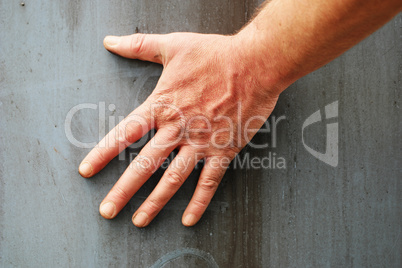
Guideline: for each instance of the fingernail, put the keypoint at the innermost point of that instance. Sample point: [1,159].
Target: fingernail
[107,210]
[111,41]
[189,219]
[141,219]
[85,169]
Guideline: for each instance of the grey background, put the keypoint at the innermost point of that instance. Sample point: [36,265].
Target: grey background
[307,215]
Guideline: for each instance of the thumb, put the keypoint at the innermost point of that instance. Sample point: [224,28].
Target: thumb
[145,47]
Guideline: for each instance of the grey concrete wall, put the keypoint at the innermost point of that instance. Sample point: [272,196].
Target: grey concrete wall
[307,215]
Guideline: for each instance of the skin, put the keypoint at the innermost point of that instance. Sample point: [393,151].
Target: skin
[208,80]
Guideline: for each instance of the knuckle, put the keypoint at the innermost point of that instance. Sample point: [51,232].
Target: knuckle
[173,134]
[137,43]
[165,110]
[201,204]
[209,184]
[130,130]
[99,155]
[120,193]
[174,178]
[174,131]
[154,205]
[141,165]
[162,98]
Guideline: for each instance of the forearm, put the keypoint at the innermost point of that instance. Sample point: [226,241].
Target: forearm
[289,38]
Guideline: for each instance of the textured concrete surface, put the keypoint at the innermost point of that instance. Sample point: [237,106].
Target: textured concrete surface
[307,215]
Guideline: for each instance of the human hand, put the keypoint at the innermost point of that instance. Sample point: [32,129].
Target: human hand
[209,103]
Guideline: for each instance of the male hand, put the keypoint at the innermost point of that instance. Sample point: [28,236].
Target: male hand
[208,104]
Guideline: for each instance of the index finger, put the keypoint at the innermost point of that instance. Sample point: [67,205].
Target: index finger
[128,131]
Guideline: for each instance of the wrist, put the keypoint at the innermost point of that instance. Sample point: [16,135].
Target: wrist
[268,63]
